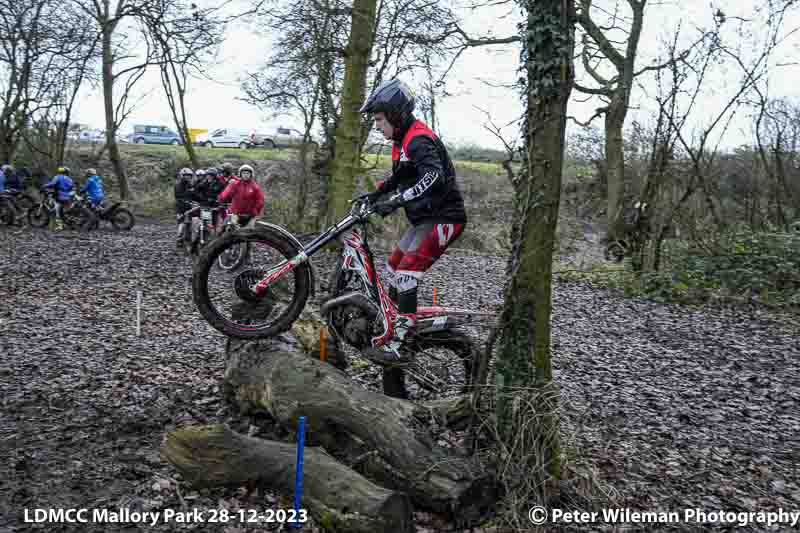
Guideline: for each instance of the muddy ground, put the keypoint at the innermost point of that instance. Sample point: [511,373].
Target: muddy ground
[672,407]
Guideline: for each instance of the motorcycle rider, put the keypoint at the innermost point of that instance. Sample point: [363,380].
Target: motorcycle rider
[183,196]
[245,196]
[64,189]
[208,188]
[94,186]
[424,175]
[227,173]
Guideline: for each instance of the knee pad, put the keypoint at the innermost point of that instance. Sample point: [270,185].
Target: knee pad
[406,282]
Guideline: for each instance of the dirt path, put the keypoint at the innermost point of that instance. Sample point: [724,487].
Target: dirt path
[676,407]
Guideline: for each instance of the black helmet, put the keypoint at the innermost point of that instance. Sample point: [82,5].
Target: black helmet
[227,169]
[212,172]
[392,97]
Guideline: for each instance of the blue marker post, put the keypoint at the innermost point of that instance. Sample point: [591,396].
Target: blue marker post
[298,477]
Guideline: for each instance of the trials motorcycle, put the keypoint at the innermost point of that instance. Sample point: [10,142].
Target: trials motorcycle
[263,297]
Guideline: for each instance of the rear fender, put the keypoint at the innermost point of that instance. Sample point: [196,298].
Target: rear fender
[294,240]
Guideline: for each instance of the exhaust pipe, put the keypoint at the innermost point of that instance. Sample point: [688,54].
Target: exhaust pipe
[351,298]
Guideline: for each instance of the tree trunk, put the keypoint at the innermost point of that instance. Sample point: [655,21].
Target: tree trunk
[347,161]
[387,438]
[338,498]
[523,355]
[615,156]
[108,101]
[184,125]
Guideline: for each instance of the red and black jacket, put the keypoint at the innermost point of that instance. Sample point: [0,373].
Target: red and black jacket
[423,172]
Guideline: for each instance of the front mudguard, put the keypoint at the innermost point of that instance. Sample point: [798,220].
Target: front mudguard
[294,240]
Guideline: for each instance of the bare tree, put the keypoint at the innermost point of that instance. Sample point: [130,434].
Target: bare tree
[122,65]
[777,135]
[184,39]
[28,52]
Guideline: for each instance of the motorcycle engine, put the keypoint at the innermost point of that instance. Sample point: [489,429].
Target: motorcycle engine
[354,324]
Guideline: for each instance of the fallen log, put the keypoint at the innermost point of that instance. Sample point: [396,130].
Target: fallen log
[387,439]
[338,498]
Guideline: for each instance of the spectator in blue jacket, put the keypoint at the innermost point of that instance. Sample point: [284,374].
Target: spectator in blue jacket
[2,179]
[64,188]
[94,187]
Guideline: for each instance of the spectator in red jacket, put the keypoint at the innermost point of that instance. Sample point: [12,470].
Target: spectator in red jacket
[245,196]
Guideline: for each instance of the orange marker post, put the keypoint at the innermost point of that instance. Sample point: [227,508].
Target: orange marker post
[322,344]
[434,296]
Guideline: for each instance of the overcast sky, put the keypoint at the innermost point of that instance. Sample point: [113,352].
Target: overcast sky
[213,104]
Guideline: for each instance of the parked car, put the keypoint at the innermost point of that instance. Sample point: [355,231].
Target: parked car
[92,136]
[224,137]
[282,138]
[144,134]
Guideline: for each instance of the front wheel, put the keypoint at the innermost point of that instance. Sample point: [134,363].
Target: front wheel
[38,216]
[234,256]
[7,211]
[226,299]
[122,219]
[615,251]
[25,201]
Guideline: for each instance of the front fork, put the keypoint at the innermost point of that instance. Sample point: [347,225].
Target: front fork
[278,272]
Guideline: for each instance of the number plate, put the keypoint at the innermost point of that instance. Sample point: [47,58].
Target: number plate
[205,214]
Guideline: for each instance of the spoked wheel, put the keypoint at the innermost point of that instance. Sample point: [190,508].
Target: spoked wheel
[188,234]
[7,211]
[443,366]
[234,256]
[78,217]
[122,219]
[615,251]
[226,298]
[39,216]
[24,201]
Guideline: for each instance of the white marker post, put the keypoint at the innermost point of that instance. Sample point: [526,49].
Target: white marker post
[138,313]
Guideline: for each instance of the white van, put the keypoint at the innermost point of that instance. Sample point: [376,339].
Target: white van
[225,137]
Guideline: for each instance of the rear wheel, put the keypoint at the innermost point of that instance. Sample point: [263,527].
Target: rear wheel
[122,219]
[444,365]
[269,144]
[78,217]
[225,297]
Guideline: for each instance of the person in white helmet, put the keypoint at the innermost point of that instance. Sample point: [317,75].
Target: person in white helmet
[245,196]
